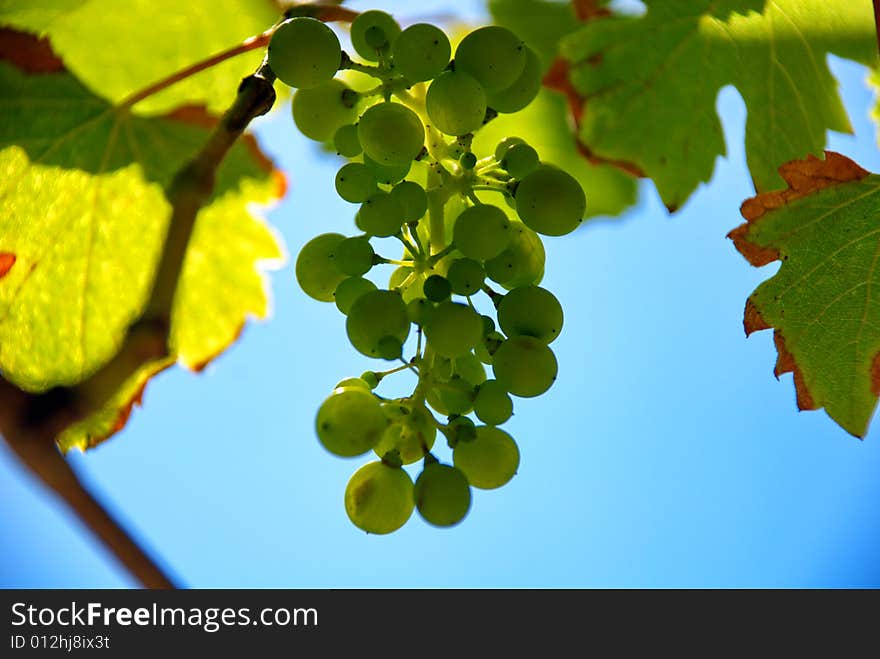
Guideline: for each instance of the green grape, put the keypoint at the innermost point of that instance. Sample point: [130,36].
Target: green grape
[550,201]
[470,368]
[493,340]
[380,215]
[350,422]
[485,349]
[437,288]
[390,348]
[413,290]
[468,160]
[490,460]
[523,90]
[456,382]
[531,311]
[482,353]
[465,276]
[520,160]
[354,256]
[456,103]
[460,429]
[482,232]
[493,405]
[417,310]
[391,134]
[372,32]
[413,198]
[421,52]
[349,290]
[524,366]
[379,498]
[352,383]
[504,145]
[373,317]
[371,379]
[319,111]
[444,368]
[412,432]
[304,53]
[387,174]
[355,182]
[455,396]
[453,329]
[522,262]
[493,55]
[316,269]
[488,324]
[442,494]
[346,142]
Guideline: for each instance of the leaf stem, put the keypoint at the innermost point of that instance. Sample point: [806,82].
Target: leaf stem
[252,43]
[322,11]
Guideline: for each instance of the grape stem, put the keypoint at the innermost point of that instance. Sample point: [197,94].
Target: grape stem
[398,369]
[322,12]
[490,188]
[436,221]
[372,71]
[414,234]
[410,278]
[412,249]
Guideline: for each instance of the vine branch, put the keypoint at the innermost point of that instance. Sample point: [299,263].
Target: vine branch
[30,423]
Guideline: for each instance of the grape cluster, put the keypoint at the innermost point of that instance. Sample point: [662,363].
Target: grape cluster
[412,174]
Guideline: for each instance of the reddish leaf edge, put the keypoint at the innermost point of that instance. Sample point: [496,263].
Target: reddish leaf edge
[34,55]
[7,260]
[804,177]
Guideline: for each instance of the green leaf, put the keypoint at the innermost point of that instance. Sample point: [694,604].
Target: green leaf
[545,123]
[116,52]
[35,15]
[824,302]
[540,23]
[114,414]
[85,214]
[650,83]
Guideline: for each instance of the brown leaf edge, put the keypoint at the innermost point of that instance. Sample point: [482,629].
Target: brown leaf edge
[804,177]
[28,53]
[557,79]
[7,260]
[35,56]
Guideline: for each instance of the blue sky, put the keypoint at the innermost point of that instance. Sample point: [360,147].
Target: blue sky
[665,455]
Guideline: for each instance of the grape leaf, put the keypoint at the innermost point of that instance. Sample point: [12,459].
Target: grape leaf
[35,15]
[540,23]
[545,124]
[85,214]
[824,302]
[148,41]
[649,84]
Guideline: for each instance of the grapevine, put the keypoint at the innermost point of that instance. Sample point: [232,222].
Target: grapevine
[469,226]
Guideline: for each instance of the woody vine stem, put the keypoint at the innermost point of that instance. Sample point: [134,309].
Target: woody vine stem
[30,423]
